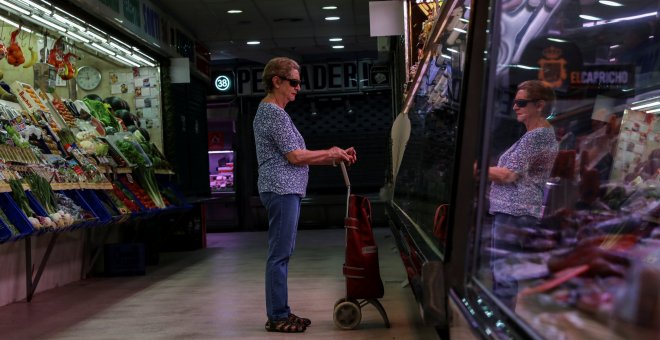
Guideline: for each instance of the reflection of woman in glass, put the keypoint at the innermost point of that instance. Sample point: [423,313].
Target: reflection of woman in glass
[516,194]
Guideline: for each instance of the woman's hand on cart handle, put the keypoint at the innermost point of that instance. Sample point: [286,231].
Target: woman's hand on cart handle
[352,154]
[337,155]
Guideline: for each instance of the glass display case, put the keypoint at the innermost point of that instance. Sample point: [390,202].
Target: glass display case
[569,248]
[221,171]
[585,264]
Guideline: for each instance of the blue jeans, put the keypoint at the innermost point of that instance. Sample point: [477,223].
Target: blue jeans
[505,287]
[283,213]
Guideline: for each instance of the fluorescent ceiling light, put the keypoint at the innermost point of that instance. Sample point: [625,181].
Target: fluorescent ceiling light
[14,7]
[335,39]
[125,61]
[48,23]
[102,49]
[63,11]
[337,46]
[524,67]
[557,40]
[119,47]
[143,55]
[459,30]
[645,105]
[68,21]
[95,36]
[254,42]
[15,24]
[41,8]
[446,56]
[635,17]
[142,60]
[234,11]
[589,17]
[653,111]
[610,3]
[452,50]
[329,7]
[331,18]
[464,20]
[76,36]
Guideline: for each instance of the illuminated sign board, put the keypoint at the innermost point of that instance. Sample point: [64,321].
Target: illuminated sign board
[350,76]
[224,82]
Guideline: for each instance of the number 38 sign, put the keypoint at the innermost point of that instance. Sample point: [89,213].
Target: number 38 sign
[224,83]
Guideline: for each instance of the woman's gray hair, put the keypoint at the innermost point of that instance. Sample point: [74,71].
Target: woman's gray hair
[537,89]
[280,66]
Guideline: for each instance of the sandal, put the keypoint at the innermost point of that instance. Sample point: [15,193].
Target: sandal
[302,321]
[285,326]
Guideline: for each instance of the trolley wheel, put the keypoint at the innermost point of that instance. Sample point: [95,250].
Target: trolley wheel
[340,300]
[347,315]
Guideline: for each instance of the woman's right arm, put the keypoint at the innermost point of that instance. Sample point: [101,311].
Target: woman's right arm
[501,175]
[330,156]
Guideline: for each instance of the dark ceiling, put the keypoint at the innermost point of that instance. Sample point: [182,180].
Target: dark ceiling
[292,28]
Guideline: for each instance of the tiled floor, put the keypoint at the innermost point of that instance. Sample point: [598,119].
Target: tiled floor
[217,293]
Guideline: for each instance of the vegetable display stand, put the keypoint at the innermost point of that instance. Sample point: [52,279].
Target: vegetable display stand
[133,190]
[16,217]
[178,202]
[118,217]
[40,211]
[86,222]
[5,233]
[33,281]
[92,201]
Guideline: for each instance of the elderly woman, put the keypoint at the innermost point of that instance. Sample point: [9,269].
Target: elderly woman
[516,194]
[283,172]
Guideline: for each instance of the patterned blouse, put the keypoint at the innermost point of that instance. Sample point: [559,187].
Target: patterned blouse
[275,136]
[531,158]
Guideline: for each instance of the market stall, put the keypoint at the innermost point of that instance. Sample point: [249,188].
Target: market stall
[80,136]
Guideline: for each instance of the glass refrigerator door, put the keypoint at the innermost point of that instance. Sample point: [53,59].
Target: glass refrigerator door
[221,171]
[567,242]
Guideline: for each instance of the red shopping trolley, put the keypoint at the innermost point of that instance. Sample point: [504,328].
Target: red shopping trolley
[363,283]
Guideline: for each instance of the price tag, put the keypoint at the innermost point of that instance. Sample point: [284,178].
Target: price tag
[130,178]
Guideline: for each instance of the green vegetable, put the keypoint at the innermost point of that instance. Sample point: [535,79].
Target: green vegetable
[10,226]
[19,196]
[144,173]
[66,136]
[100,111]
[42,192]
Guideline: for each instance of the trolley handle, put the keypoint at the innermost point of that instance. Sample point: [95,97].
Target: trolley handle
[348,185]
[343,171]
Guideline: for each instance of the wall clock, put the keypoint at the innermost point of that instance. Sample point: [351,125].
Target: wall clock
[88,78]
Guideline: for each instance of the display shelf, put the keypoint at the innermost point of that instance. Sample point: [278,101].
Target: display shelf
[89,200]
[5,233]
[118,217]
[439,26]
[64,186]
[16,216]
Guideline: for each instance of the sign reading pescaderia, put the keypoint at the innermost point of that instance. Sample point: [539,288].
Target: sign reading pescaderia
[330,77]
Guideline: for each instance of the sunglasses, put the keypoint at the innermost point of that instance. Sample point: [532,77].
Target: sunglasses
[292,82]
[523,102]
